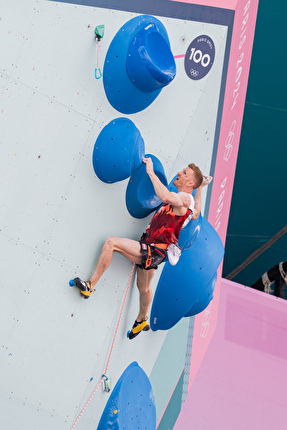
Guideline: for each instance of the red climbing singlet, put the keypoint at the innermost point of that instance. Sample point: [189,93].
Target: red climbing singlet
[165,226]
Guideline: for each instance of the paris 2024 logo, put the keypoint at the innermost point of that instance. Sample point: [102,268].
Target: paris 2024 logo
[199,57]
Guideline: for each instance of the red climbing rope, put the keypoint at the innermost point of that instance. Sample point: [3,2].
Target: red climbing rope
[86,405]
[109,358]
[119,320]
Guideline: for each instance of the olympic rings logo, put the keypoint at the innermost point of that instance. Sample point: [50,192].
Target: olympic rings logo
[229,142]
[205,323]
[194,73]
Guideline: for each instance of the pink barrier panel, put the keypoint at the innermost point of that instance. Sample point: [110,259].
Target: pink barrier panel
[233,107]
[242,381]
[225,4]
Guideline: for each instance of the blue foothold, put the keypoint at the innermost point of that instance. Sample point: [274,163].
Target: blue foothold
[72,283]
[128,334]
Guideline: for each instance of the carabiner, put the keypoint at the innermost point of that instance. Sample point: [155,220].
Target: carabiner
[100,74]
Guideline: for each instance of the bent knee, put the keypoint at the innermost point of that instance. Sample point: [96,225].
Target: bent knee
[110,242]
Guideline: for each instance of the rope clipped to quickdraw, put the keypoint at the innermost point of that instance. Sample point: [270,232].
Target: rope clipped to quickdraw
[109,357]
[99,32]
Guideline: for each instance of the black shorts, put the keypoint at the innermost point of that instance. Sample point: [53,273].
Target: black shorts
[152,256]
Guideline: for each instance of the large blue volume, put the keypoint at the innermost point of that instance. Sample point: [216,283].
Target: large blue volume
[187,288]
[131,405]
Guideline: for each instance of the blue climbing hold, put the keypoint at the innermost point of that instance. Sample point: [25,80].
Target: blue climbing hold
[138,64]
[194,277]
[141,199]
[131,405]
[150,63]
[203,299]
[118,151]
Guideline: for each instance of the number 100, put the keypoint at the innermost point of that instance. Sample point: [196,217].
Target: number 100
[197,57]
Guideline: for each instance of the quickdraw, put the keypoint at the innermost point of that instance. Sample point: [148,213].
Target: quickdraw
[99,32]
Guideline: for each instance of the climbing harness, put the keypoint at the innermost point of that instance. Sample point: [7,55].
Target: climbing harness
[99,32]
[105,380]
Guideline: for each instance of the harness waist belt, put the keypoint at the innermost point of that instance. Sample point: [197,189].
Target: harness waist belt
[159,245]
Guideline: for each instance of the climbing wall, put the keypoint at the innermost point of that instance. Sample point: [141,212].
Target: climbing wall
[56,211]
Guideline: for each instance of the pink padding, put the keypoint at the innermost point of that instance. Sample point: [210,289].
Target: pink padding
[225,4]
[234,100]
[242,381]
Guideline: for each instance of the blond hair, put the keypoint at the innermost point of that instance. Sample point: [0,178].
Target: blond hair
[198,176]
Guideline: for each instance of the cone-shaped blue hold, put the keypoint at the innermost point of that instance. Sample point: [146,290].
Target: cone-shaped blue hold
[118,151]
[150,63]
[138,64]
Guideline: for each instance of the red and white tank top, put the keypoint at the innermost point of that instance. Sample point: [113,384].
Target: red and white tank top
[165,226]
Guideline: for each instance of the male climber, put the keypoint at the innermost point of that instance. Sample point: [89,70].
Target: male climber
[163,230]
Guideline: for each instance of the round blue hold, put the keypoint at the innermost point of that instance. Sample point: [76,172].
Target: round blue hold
[118,151]
[141,199]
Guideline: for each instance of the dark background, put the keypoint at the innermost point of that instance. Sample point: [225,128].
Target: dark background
[259,204]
